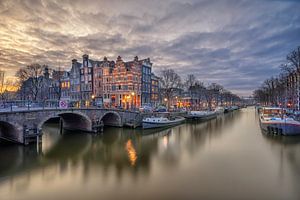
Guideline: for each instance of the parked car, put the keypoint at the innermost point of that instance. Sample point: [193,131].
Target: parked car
[161,109]
[146,109]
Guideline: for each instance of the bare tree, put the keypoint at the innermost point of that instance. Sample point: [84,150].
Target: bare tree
[170,82]
[213,94]
[32,76]
[294,59]
[190,81]
[57,82]
[197,91]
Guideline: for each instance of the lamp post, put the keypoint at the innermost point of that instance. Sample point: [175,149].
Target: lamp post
[132,100]
[166,102]
[93,99]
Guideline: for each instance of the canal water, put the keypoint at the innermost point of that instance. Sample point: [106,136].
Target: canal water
[225,158]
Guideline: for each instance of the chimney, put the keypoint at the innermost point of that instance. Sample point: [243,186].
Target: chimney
[85,59]
[119,58]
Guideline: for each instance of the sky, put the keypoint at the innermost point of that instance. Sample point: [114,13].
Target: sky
[235,43]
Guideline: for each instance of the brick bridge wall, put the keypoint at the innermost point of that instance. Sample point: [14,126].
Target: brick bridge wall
[14,125]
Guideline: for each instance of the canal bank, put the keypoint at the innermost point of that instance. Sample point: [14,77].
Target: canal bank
[225,158]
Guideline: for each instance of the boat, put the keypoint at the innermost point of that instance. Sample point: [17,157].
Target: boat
[219,110]
[201,115]
[226,109]
[234,108]
[230,109]
[274,120]
[158,122]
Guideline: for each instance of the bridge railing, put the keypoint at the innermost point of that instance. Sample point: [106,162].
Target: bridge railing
[23,105]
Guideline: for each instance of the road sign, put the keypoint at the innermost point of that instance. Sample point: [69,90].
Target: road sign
[63,104]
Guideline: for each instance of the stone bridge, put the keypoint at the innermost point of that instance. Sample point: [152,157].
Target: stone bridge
[17,126]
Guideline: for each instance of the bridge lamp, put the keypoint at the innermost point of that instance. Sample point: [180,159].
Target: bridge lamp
[132,100]
[93,100]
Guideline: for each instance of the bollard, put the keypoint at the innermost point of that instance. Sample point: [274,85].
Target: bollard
[60,126]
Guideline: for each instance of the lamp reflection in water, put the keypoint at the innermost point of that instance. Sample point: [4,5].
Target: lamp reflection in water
[131,152]
[165,141]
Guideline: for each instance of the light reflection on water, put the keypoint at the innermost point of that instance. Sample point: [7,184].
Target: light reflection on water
[225,158]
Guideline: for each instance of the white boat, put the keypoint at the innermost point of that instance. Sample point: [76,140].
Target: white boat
[219,110]
[158,122]
[275,121]
[201,115]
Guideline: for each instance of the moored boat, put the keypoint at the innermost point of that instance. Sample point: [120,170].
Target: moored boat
[201,115]
[219,110]
[275,121]
[158,122]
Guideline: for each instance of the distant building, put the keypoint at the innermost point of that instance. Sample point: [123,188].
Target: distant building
[75,94]
[101,83]
[146,67]
[155,96]
[54,85]
[97,95]
[65,87]
[122,84]
[86,80]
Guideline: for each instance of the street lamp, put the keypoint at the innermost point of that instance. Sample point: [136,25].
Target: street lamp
[93,100]
[166,101]
[132,100]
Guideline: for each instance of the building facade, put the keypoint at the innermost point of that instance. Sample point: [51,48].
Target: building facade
[75,94]
[146,67]
[105,83]
[122,85]
[86,81]
[65,87]
[155,96]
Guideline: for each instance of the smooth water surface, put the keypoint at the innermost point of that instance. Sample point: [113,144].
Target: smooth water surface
[225,158]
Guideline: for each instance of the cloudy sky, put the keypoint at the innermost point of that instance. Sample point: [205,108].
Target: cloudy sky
[232,42]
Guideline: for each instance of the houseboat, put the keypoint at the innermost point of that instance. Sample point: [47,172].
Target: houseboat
[274,120]
[201,115]
[219,110]
[159,122]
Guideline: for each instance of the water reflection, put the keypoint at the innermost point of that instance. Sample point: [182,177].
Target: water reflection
[287,149]
[108,149]
[132,155]
[130,158]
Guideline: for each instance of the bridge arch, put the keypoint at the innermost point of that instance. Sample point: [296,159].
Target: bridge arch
[72,121]
[11,132]
[112,118]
